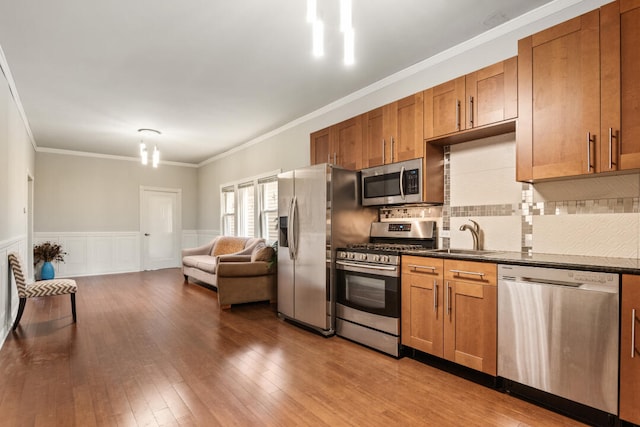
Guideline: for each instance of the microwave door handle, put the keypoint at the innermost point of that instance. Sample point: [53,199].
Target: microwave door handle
[402,182]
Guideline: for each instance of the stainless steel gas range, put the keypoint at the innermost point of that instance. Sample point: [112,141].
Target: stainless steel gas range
[368,283]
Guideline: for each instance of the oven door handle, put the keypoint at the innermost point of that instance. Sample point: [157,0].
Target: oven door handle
[367,266]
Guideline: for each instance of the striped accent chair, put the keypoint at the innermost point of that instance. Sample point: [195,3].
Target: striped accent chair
[41,288]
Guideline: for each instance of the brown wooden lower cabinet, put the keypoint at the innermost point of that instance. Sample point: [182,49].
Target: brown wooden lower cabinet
[449,309]
[630,349]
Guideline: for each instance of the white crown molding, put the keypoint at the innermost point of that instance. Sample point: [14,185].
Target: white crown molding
[4,67]
[107,156]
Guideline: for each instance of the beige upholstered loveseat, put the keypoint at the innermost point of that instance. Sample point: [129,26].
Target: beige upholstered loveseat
[241,269]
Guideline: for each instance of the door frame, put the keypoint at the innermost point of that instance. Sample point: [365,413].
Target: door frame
[177,222]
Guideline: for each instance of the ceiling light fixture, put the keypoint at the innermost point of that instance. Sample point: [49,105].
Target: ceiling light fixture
[346,27]
[144,154]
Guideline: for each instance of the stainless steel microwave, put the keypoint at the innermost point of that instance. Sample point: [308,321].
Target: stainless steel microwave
[392,184]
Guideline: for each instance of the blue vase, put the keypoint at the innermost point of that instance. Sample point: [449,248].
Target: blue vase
[47,272]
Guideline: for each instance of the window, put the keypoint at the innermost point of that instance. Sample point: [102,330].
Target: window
[249,208]
[246,209]
[268,193]
[228,204]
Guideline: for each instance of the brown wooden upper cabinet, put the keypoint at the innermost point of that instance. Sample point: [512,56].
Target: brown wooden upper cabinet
[620,86]
[484,97]
[393,133]
[340,144]
[578,103]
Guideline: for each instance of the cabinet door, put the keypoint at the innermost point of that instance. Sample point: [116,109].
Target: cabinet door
[444,108]
[620,65]
[422,305]
[321,147]
[470,318]
[348,143]
[408,139]
[559,100]
[492,94]
[630,84]
[376,142]
[630,349]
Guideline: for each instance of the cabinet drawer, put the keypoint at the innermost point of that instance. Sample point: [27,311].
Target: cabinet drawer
[470,271]
[420,266]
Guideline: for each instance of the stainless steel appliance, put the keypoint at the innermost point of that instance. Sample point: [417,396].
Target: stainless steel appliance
[558,332]
[368,283]
[318,210]
[394,183]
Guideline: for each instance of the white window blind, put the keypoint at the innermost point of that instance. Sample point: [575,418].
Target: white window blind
[268,193]
[228,204]
[246,209]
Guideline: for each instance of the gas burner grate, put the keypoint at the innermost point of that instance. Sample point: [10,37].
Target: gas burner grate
[386,246]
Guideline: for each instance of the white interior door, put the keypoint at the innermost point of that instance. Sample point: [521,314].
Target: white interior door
[160,227]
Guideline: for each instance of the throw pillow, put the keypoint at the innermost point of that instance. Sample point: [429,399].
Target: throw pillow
[228,245]
[262,253]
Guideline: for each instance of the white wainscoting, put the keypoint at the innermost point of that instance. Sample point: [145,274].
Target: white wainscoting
[8,293]
[94,253]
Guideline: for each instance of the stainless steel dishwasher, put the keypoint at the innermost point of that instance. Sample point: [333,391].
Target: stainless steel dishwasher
[558,332]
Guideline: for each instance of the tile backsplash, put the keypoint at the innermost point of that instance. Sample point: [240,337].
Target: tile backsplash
[597,216]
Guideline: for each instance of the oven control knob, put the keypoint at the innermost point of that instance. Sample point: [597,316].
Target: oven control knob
[362,257]
[351,255]
[376,258]
[384,258]
[342,254]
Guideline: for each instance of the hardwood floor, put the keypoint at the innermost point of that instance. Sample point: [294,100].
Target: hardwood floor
[151,350]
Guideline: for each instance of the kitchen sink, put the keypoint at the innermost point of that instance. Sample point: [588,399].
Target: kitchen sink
[462,252]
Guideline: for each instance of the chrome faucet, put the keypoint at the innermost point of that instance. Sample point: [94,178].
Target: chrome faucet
[475,233]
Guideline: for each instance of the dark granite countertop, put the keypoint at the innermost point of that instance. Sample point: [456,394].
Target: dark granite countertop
[574,262]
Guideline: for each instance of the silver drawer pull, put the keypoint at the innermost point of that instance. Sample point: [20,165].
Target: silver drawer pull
[472,273]
[423,267]
[633,333]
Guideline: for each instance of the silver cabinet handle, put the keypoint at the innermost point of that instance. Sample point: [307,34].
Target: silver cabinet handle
[424,267]
[458,115]
[335,161]
[472,273]
[435,296]
[393,146]
[633,333]
[589,141]
[328,158]
[448,300]
[610,146]
[383,147]
[612,136]
[471,111]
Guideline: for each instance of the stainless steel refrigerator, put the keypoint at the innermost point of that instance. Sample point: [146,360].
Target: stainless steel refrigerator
[319,210]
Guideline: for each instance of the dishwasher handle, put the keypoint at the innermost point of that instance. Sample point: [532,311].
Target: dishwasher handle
[550,282]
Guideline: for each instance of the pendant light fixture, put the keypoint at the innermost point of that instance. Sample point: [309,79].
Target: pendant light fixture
[144,154]
[346,28]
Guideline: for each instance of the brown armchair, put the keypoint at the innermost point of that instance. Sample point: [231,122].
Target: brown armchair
[247,278]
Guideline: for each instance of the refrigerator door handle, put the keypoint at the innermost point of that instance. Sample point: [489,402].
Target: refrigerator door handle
[290,230]
[293,241]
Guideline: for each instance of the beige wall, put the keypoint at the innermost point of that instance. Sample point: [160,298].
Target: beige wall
[16,162]
[88,194]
